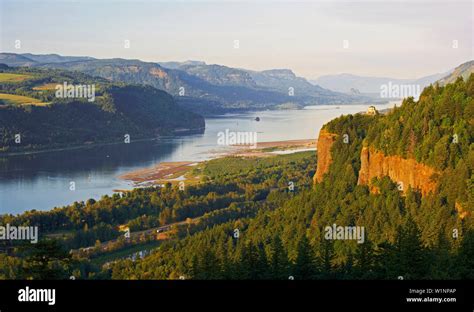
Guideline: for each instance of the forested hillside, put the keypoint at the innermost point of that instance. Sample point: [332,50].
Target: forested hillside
[437,131]
[32,117]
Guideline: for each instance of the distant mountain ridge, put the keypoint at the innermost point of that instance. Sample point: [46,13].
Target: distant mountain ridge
[370,85]
[55,58]
[202,88]
[12,59]
[215,74]
[280,80]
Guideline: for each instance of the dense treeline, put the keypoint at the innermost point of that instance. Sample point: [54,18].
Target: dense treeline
[224,196]
[436,130]
[217,254]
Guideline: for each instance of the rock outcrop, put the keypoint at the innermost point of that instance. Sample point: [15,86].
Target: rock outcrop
[325,142]
[405,172]
[375,164]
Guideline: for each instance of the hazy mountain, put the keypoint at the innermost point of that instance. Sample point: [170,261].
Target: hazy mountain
[349,83]
[463,70]
[215,74]
[12,59]
[128,71]
[178,65]
[281,80]
[54,58]
[206,89]
[180,84]
[28,59]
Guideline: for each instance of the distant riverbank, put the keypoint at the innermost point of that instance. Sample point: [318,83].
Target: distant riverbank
[84,146]
[177,171]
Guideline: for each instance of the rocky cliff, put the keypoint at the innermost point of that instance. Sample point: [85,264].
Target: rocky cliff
[406,172]
[325,142]
[375,164]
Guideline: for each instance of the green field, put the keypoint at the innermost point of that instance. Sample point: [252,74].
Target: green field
[47,86]
[19,100]
[7,77]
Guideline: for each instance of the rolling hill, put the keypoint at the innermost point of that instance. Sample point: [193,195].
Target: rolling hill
[33,118]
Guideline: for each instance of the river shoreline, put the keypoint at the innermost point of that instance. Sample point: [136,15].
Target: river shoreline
[178,132]
[70,148]
[176,171]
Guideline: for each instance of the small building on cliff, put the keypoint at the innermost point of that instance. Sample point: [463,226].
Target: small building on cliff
[372,111]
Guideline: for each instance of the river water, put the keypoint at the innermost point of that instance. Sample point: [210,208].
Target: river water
[42,181]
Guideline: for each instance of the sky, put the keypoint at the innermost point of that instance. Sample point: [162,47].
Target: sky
[398,39]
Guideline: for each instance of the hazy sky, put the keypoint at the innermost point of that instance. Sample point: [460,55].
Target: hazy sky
[402,39]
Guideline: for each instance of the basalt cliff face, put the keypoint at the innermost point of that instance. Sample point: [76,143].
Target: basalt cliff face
[406,172]
[325,142]
[375,164]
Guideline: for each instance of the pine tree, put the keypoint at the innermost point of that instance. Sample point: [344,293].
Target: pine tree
[279,260]
[250,261]
[326,256]
[408,258]
[364,260]
[262,266]
[304,267]
[466,256]
[442,259]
